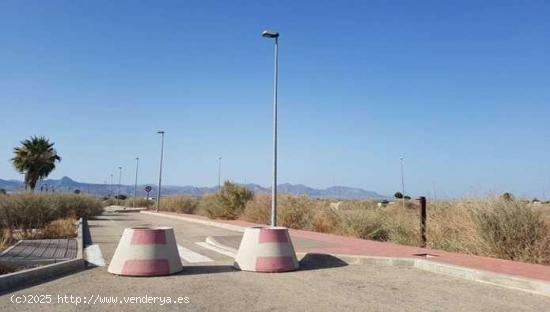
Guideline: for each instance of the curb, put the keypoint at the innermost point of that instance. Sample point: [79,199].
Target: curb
[16,280]
[230,227]
[495,279]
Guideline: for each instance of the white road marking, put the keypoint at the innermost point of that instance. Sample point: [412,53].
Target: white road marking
[94,256]
[191,256]
[216,249]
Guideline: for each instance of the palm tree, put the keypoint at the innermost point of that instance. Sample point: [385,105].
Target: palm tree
[36,159]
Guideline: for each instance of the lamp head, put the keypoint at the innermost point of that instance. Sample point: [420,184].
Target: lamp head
[270,34]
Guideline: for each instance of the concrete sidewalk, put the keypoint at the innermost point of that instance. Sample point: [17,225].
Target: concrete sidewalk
[313,242]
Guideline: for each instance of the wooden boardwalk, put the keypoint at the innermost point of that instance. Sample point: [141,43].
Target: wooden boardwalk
[30,253]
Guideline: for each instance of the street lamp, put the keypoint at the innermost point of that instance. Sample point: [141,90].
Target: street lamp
[135,183]
[161,132]
[219,173]
[274,35]
[119,183]
[111,187]
[402,182]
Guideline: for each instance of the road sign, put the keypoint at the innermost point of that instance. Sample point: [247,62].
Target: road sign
[148,189]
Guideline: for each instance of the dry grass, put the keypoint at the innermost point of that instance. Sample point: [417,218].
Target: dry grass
[28,211]
[138,202]
[258,210]
[292,211]
[544,210]
[62,228]
[451,227]
[24,216]
[508,229]
[514,230]
[179,204]
[491,227]
[5,239]
[109,202]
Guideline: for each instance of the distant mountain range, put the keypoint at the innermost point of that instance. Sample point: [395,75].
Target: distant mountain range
[67,185]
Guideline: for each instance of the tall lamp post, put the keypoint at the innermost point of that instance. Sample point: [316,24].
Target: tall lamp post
[219,173]
[402,182]
[251,247]
[111,187]
[161,132]
[135,183]
[119,184]
[274,35]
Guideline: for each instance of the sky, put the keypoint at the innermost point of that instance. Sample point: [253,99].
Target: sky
[460,89]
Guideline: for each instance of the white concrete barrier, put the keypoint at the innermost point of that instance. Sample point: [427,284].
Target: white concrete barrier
[266,249]
[146,251]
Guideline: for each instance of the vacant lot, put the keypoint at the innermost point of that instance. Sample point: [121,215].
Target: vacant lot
[496,227]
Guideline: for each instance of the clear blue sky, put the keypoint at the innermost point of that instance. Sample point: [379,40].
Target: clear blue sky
[461,88]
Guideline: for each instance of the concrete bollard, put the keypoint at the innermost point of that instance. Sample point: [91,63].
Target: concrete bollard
[266,249]
[146,251]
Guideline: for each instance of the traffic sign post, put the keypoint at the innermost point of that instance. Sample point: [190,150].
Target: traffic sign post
[148,190]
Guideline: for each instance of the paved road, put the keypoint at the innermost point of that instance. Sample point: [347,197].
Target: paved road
[215,286]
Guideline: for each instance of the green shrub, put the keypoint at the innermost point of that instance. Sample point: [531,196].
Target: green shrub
[229,203]
[213,207]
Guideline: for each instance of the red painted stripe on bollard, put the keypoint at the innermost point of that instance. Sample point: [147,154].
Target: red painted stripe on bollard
[273,236]
[274,264]
[146,267]
[148,237]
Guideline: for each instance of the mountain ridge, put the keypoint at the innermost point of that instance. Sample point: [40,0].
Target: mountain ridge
[68,185]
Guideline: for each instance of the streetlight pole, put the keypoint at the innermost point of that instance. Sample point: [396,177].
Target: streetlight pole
[402,183]
[219,173]
[160,170]
[119,184]
[135,183]
[111,187]
[274,35]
